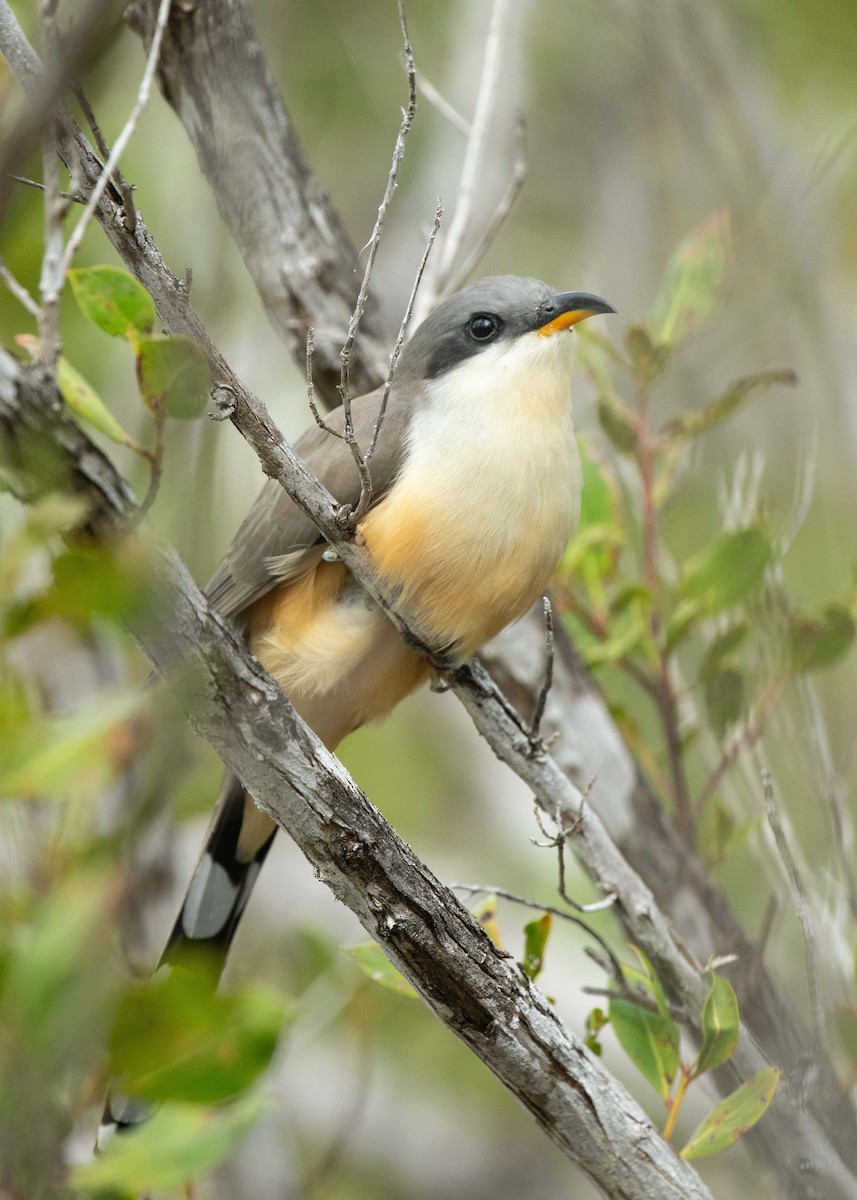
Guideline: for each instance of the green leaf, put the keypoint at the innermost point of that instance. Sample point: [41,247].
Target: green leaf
[726,570]
[173,376]
[114,300]
[846,1029]
[617,421]
[692,281]
[739,394]
[43,758]
[648,976]
[724,644]
[724,693]
[821,641]
[373,962]
[47,1008]
[82,399]
[88,406]
[649,1039]
[596,1019]
[536,934]
[618,646]
[175,1038]
[648,356]
[179,1143]
[720,1025]
[88,582]
[731,1119]
[485,913]
[597,497]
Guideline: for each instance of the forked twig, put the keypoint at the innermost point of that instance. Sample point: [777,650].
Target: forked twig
[121,182]
[344,386]
[476,889]
[122,140]
[403,329]
[501,212]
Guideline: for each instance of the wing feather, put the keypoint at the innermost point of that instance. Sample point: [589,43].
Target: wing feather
[277,541]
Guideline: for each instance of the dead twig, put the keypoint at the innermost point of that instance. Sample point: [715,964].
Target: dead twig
[403,329]
[501,212]
[123,186]
[19,291]
[537,746]
[344,387]
[800,900]
[615,968]
[143,93]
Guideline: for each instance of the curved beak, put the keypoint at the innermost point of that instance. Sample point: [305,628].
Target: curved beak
[566,309]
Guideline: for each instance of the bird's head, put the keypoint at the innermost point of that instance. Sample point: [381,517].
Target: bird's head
[501,319]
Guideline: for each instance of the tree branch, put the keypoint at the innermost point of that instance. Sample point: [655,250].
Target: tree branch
[476,990]
[794,1139]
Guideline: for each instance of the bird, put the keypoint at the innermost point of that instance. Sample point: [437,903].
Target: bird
[475,493]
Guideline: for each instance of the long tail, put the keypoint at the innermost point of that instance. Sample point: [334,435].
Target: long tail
[238,841]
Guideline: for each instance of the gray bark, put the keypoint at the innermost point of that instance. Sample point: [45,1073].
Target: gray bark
[475,989]
[807,1132]
[798,1137]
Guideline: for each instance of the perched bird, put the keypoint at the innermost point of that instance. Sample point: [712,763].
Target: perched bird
[476,491]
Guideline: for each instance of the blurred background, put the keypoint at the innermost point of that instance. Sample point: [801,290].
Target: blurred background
[642,119]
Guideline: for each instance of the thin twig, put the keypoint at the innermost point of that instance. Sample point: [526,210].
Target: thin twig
[344,387]
[122,140]
[746,739]
[483,117]
[124,187]
[403,330]
[19,291]
[40,187]
[802,909]
[156,466]
[51,274]
[310,387]
[501,212]
[437,100]
[557,841]
[476,889]
[536,744]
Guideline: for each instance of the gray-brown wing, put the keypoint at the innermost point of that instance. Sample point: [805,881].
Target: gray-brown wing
[276,536]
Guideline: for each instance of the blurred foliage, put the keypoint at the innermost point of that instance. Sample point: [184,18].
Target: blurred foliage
[721,625]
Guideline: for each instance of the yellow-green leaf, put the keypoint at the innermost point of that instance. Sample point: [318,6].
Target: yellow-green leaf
[731,1119]
[724,692]
[173,375]
[179,1143]
[114,300]
[536,934]
[176,1038]
[82,399]
[485,913]
[720,1025]
[740,393]
[692,281]
[724,572]
[373,962]
[42,758]
[821,641]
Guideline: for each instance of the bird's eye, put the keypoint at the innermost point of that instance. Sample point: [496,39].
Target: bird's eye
[483,327]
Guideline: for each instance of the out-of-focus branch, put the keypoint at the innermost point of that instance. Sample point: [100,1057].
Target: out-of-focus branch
[796,1136]
[214,74]
[477,991]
